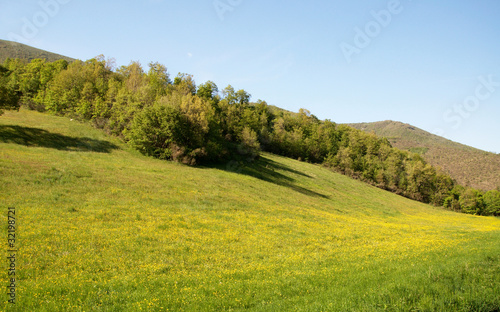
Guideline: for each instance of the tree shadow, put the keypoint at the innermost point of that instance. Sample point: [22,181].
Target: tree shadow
[268,170]
[41,138]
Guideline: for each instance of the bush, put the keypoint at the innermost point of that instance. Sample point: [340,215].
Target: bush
[157,131]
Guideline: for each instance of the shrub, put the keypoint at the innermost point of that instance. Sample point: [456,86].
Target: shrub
[157,130]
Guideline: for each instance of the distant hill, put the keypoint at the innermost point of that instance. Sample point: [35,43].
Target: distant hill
[10,49]
[468,165]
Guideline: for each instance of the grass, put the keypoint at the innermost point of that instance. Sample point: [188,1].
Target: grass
[103,228]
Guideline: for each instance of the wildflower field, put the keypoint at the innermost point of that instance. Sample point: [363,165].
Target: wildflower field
[100,227]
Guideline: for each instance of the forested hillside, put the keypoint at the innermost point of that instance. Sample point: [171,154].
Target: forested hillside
[468,165]
[200,124]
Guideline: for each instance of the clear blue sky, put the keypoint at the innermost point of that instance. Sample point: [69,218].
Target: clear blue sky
[433,64]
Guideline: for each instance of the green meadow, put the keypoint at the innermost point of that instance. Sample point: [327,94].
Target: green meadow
[100,227]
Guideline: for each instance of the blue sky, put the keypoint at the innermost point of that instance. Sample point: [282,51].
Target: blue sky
[433,64]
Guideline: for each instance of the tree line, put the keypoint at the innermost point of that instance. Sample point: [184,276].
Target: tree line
[200,124]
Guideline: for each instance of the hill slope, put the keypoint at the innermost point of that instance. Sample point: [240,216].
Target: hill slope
[9,49]
[468,165]
[105,228]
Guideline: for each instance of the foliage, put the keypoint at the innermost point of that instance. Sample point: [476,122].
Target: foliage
[157,131]
[492,203]
[9,96]
[178,120]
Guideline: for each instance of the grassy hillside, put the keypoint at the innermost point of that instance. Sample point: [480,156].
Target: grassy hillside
[102,228]
[9,49]
[468,165]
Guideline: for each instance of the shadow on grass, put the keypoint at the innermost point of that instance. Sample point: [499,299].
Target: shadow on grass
[42,138]
[268,170]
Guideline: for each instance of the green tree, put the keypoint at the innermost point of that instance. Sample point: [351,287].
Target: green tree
[30,81]
[158,131]
[492,203]
[242,97]
[229,95]
[472,202]
[208,90]
[185,84]
[47,73]
[452,202]
[9,98]
[134,75]
[15,68]
[80,90]
[444,184]
[159,79]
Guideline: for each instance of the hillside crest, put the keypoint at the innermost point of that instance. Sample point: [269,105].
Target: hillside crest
[10,49]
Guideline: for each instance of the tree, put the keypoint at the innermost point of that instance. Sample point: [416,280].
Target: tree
[208,90]
[80,90]
[157,131]
[185,84]
[9,98]
[134,76]
[472,202]
[16,68]
[159,79]
[492,203]
[443,186]
[242,97]
[30,79]
[452,202]
[229,96]
[47,74]
[393,169]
